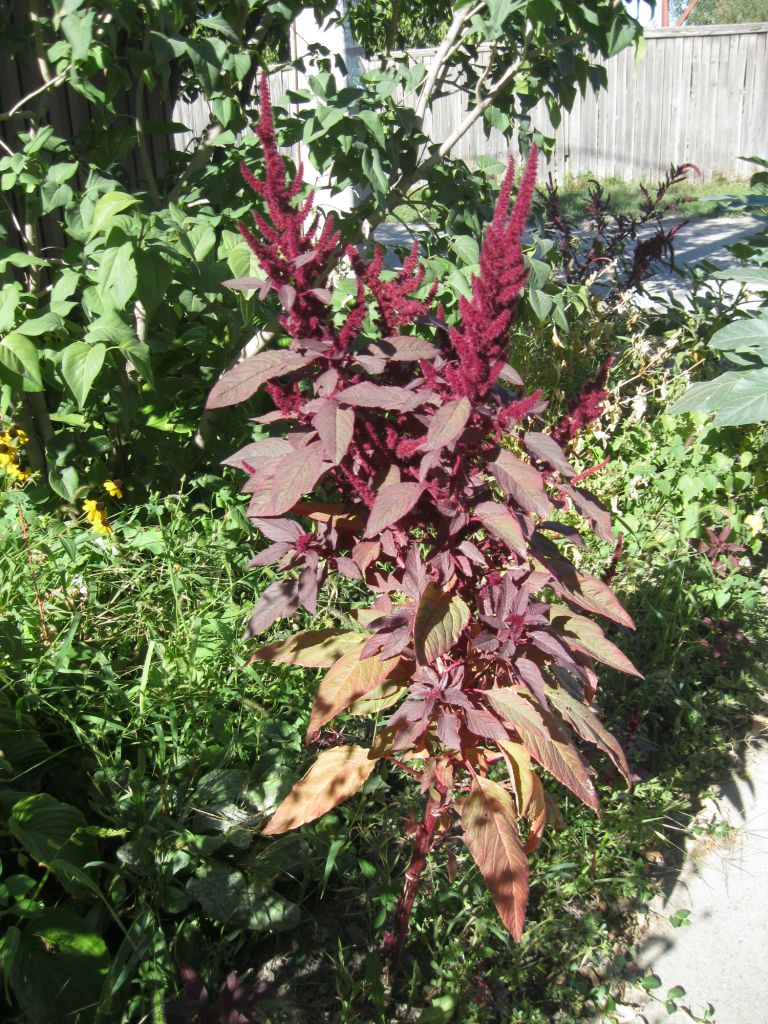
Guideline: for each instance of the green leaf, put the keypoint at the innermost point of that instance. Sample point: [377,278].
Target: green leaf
[64,481]
[737,397]
[466,248]
[541,303]
[741,335]
[226,896]
[19,363]
[373,123]
[58,969]
[80,366]
[117,275]
[78,31]
[9,303]
[108,207]
[755,276]
[38,325]
[53,834]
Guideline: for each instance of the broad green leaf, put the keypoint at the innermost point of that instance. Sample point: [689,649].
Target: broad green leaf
[741,335]
[19,363]
[117,275]
[108,207]
[10,295]
[81,364]
[440,620]
[58,968]
[737,397]
[38,325]
[372,121]
[757,277]
[53,834]
[337,774]
[489,823]
[466,248]
[541,303]
[310,648]
[225,895]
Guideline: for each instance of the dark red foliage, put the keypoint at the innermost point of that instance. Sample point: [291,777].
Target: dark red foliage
[587,408]
[403,461]
[617,241]
[722,555]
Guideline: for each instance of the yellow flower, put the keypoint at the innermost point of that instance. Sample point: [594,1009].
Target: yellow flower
[10,443]
[755,522]
[94,513]
[113,488]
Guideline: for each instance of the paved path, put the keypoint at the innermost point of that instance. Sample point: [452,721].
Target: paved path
[721,957]
[703,238]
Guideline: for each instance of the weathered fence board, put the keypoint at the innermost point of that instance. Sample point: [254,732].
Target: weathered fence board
[699,95]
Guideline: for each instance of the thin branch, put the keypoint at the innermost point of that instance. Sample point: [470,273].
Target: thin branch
[444,52]
[199,159]
[472,116]
[51,83]
[141,141]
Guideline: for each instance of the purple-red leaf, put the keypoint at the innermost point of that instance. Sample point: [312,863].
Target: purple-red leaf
[591,508]
[440,620]
[546,449]
[283,481]
[402,348]
[501,523]
[587,725]
[281,598]
[244,284]
[520,481]
[337,774]
[376,396]
[310,648]
[447,424]
[335,427]
[585,635]
[391,504]
[258,451]
[348,680]
[489,823]
[245,379]
[559,758]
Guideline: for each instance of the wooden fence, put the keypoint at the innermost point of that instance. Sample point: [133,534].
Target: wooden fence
[698,95]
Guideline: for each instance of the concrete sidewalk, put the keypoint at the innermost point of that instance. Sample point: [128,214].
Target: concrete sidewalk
[702,238]
[720,957]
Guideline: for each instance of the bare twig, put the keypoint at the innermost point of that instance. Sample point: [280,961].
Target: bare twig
[17,109]
[448,46]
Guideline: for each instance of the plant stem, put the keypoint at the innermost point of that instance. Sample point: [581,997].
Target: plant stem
[423,843]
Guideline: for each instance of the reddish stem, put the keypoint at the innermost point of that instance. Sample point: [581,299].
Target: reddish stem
[423,844]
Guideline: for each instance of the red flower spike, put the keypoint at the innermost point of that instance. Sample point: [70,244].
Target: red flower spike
[481,341]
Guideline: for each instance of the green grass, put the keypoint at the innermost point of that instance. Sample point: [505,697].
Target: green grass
[625,197]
